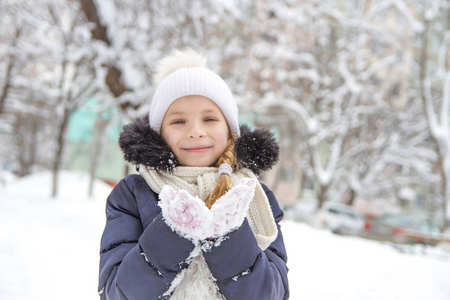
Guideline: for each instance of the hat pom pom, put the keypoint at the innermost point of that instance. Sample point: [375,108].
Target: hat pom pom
[175,60]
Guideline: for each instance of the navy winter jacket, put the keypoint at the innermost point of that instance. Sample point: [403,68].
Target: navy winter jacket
[141,255]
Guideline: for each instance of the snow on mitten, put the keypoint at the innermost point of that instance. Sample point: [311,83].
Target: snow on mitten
[230,210]
[185,214]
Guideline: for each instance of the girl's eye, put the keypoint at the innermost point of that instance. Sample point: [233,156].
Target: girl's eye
[210,119]
[178,122]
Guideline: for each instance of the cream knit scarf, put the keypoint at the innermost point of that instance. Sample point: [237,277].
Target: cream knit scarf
[196,282]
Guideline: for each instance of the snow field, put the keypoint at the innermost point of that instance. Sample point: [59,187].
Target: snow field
[325,266]
[49,250]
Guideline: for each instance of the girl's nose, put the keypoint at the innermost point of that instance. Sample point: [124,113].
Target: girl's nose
[196,131]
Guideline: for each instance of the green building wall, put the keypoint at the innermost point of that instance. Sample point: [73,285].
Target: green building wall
[80,141]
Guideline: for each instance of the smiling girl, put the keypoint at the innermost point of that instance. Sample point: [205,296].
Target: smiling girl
[195,223]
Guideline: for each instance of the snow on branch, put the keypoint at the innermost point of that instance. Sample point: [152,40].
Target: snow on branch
[296,108]
[435,127]
[416,25]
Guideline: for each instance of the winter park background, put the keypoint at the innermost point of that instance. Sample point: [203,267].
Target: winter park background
[357,93]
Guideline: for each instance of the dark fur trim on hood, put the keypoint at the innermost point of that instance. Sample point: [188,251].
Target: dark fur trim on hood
[142,145]
[256,150]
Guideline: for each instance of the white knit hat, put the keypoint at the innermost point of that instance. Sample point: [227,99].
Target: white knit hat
[191,79]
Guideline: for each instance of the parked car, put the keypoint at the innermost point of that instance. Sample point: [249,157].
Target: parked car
[303,211]
[341,219]
[403,229]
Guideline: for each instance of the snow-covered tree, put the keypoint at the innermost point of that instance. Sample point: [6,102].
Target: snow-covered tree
[131,38]
[51,73]
[71,72]
[9,40]
[432,82]
[24,109]
[338,72]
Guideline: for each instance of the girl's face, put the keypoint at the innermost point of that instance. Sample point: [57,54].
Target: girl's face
[196,131]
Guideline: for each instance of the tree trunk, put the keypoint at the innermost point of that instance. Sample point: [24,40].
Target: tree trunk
[9,69]
[446,188]
[349,197]
[20,144]
[6,86]
[322,198]
[60,145]
[99,130]
[431,116]
[113,77]
[34,141]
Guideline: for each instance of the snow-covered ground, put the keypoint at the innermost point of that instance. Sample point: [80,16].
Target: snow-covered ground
[49,250]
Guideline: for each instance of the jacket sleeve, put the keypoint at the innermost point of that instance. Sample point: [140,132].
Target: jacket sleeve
[243,270]
[140,255]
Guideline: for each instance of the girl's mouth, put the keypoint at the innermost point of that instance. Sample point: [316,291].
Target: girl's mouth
[197,149]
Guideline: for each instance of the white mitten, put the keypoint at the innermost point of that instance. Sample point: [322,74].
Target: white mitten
[186,214]
[230,210]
